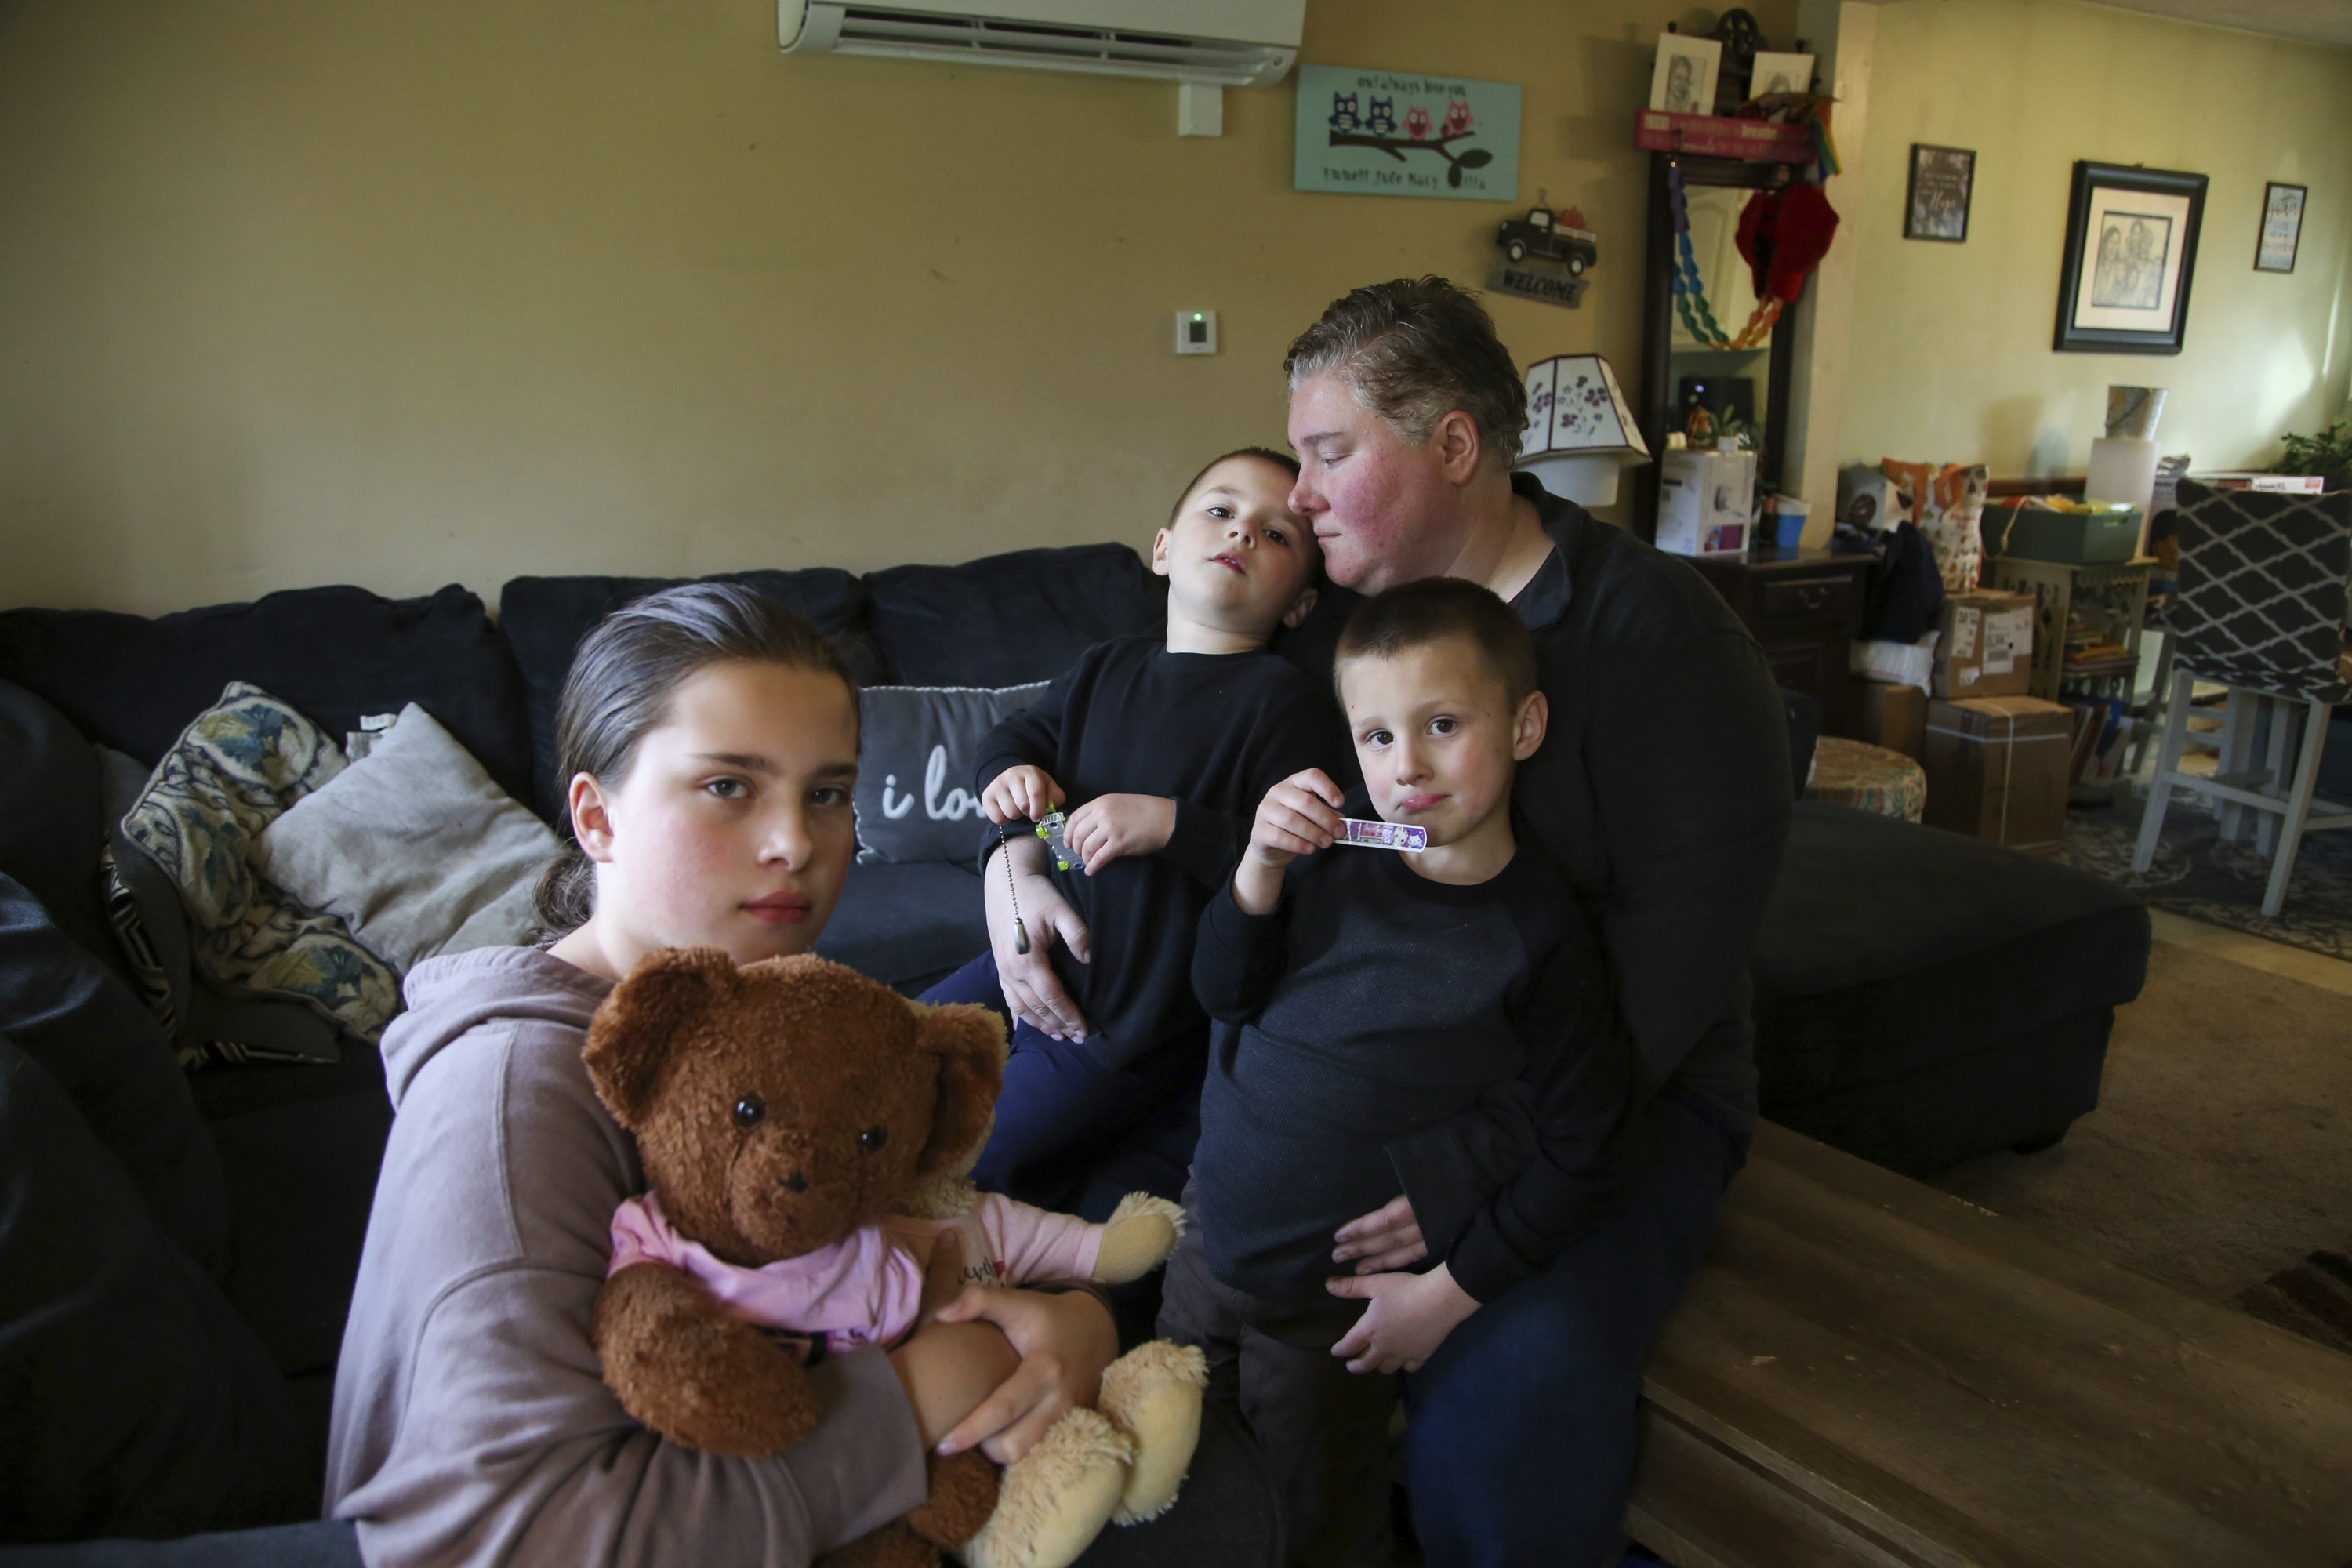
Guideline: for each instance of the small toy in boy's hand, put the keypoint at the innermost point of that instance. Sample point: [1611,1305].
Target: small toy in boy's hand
[1050,827]
[1385,836]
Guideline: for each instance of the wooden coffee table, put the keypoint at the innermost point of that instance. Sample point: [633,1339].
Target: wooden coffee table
[1868,1372]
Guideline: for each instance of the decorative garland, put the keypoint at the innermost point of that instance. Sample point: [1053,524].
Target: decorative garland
[1690,289]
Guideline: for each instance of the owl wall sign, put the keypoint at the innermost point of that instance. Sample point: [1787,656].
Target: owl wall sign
[1391,133]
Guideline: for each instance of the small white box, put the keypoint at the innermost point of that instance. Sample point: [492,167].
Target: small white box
[1706,501]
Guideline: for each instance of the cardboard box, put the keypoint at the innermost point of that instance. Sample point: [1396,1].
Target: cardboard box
[1997,769]
[1986,645]
[1895,717]
[1706,501]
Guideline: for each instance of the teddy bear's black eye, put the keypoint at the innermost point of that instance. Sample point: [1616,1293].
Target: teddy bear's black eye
[873,1138]
[750,1111]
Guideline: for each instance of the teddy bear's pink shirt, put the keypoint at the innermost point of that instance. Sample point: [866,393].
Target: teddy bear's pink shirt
[865,1289]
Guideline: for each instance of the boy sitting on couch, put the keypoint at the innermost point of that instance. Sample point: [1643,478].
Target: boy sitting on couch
[1162,747]
[1375,996]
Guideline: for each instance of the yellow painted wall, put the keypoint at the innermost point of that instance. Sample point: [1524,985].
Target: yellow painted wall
[1952,358]
[295,293]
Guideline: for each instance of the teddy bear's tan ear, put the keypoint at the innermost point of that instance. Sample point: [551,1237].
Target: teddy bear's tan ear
[969,1041]
[632,1034]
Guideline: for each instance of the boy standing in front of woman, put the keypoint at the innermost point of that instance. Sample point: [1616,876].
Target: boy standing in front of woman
[1379,1002]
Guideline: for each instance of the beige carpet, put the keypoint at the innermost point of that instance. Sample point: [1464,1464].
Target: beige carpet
[2221,1150]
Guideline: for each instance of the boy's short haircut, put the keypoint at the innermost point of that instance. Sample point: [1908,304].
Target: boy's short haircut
[1432,610]
[1282,460]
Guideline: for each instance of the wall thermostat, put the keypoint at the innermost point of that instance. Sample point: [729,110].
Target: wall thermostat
[1196,332]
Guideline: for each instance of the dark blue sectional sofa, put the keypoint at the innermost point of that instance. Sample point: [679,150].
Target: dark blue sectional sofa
[1921,997]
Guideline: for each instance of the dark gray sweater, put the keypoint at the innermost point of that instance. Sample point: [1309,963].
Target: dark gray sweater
[1378,1018]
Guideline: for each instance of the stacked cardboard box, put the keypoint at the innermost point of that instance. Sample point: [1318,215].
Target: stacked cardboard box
[1894,716]
[1997,769]
[1986,645]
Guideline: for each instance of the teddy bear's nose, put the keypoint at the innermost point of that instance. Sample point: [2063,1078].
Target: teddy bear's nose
[796,1183]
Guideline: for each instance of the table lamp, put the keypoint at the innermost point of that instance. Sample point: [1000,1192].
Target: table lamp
[1581,434]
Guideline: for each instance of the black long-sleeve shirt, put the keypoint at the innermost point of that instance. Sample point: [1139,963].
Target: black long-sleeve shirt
[1374,1012]
[1213,731]
[1661,790]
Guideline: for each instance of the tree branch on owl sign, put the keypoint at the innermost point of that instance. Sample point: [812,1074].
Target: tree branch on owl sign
[1398,146]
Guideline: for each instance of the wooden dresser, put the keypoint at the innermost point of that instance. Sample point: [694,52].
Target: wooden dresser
[1805,607]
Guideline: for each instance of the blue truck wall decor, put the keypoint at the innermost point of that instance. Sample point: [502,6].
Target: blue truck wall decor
[1396,134]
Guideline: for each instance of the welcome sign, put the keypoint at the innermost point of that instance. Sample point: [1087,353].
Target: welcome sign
[1394,133]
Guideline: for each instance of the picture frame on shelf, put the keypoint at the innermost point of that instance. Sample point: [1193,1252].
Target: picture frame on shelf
[1942,183]
[1778,72]
[1683,80]
[2130,257]
[2281,233]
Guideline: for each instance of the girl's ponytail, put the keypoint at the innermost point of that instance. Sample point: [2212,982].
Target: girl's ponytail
[620,687]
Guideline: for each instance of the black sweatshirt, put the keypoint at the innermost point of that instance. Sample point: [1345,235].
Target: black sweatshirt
[1378,1013]
[1215,732]
[1662,792]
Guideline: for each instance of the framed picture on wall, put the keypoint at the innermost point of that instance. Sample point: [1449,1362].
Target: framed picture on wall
[2131,250]
[2282,227]
[1942,180]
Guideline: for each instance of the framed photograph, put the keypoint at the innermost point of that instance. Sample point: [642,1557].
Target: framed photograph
[2131,249]
[1682,81]
[1780,73]
[2282,227]
[1936,205]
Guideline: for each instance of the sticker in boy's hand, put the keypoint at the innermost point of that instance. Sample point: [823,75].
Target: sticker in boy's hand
[1385,836]
[1049,828]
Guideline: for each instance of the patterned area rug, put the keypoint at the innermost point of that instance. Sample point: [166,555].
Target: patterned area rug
[2197,874]
[2314,1299]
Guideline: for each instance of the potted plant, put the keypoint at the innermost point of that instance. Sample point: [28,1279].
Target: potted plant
[2329,452]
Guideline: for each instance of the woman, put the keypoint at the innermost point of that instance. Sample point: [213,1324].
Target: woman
[1662,790]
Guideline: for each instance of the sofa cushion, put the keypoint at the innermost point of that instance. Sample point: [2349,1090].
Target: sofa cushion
[545,618]
[138,1402]
[907,925]
[414,848]
[1889,947]
[69,1013]
[52,826]
[337,654]
[916,749]
[237,768]
[1009,619]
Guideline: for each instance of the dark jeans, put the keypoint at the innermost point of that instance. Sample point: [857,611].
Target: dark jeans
[1070,1132]
[1521,1446]
[1324,1430]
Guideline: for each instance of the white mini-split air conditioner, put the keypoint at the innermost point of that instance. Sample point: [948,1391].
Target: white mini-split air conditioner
[1231,43]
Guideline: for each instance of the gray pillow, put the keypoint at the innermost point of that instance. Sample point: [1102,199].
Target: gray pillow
[918,745]
[414,847]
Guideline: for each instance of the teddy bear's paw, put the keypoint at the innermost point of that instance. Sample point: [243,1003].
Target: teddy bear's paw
[1137,1238]
[963,1491]
[1055,1499]
[1153,1393]
[693,1374]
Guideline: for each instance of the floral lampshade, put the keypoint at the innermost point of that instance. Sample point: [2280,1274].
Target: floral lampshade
[1580,432]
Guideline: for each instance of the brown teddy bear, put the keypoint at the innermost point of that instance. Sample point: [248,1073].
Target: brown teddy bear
[805,1130]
